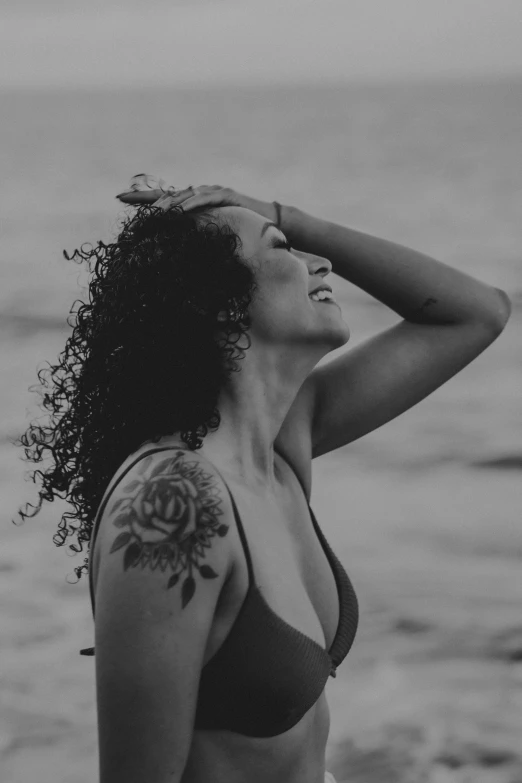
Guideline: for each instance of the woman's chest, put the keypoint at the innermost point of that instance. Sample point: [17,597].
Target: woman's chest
[290,567]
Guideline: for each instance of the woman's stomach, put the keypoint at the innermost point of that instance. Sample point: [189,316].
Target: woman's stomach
[296,756]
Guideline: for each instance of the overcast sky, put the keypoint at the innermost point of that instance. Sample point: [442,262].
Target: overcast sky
[202,42]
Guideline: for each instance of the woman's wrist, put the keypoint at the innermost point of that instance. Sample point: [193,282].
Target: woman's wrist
[296,225]
[277,207]
[290,220]
[279,214]
[287,219]
[264,208]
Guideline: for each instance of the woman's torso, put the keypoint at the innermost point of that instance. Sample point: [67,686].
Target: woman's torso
[297,582]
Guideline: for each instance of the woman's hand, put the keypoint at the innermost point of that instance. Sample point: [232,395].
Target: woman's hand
[148,190]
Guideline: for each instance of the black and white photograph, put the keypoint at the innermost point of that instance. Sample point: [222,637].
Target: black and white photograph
[261,399]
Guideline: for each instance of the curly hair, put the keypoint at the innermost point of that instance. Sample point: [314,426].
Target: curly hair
[147,357]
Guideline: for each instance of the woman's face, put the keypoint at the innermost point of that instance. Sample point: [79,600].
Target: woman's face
[281,310]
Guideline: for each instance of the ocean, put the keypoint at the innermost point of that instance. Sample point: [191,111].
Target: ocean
[424,512]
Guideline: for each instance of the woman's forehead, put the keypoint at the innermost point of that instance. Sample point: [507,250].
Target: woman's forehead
[248,225]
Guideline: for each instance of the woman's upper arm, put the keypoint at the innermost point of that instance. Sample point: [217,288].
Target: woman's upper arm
[151,638]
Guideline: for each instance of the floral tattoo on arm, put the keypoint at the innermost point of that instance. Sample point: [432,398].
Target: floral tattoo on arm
[168,519]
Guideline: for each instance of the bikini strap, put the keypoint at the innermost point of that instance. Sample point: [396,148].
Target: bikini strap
[239,524]
[240,529]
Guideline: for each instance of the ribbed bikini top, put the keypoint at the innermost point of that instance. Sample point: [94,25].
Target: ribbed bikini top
[266,675]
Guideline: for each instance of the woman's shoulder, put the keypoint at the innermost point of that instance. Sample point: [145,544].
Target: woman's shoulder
[160,493]
[150,453]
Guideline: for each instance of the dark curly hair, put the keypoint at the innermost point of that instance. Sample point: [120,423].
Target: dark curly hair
[147,356]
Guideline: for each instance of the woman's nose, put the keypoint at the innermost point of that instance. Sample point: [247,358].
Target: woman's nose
[316,264]
[319,265]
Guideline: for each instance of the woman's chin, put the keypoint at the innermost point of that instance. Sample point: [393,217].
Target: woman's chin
[344,337]
[337,335]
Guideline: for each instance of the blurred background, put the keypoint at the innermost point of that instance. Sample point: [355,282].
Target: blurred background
[402,119]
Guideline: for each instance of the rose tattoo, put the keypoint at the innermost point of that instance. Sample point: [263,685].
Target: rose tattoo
[169,518]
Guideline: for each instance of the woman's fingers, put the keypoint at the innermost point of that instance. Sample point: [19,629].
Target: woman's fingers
[168,200]
[140,196]
[210,198]
[145,190]
[151,196]
[193,202]
[164,202]
[197,201]
[190,198]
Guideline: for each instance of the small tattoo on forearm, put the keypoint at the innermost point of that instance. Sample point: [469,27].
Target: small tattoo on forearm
[429,301]
[169,519]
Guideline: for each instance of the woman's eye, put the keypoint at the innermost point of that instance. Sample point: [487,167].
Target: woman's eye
[286,245]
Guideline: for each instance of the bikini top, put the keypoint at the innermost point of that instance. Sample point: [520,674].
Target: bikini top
[266,675]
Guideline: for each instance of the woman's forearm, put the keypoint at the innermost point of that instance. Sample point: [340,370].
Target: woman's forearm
[416,286]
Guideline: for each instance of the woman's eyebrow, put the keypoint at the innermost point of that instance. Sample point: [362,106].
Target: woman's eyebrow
[267,226]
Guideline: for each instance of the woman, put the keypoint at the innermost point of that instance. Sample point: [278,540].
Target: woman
[221,609]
